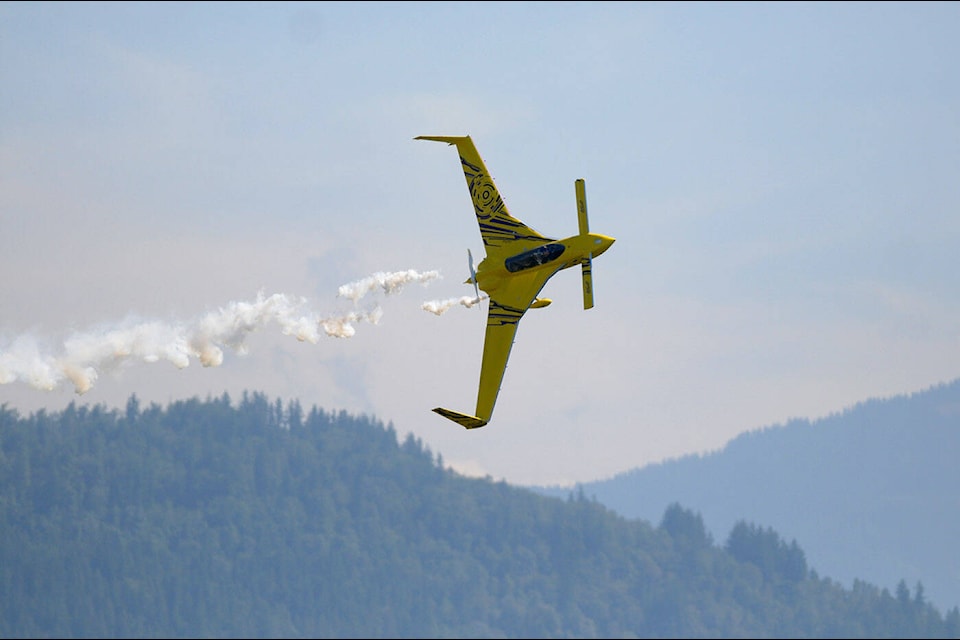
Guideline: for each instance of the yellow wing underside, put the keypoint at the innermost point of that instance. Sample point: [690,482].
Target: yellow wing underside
[497,342]
[502,321]
[497,226]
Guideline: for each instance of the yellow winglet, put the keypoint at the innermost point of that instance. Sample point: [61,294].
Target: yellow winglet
[447,139]
[470,422]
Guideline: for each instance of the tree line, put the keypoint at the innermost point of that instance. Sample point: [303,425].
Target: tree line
[255,518]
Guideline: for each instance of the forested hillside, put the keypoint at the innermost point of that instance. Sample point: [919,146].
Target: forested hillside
[870,493]
[255,519]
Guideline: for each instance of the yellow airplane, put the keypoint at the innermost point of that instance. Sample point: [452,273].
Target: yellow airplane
[518,263]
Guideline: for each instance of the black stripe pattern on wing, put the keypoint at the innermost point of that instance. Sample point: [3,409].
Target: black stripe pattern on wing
[483,192]
[498,230]
[501,314]
[496,224]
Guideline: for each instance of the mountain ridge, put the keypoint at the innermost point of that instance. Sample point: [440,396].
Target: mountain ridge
[868,491]
[255,519]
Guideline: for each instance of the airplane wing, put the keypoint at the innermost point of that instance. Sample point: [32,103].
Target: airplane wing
[507,307]
[501,328]
[502,324]
[497,226]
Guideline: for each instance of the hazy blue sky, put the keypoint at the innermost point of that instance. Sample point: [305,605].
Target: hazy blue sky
[782,180]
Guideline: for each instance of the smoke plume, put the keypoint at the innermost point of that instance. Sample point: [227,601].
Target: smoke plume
[389,282]
[85,354]
[439,307]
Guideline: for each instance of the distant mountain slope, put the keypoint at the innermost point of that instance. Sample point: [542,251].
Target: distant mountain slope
[216,519]
[870,493]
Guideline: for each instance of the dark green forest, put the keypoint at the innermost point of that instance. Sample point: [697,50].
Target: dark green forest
[870,492]
[216,518]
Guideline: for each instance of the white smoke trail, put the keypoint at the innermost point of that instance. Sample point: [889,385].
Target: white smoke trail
[390,283]
[439,307]
[85,354]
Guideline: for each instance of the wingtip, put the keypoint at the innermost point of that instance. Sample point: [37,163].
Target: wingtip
[463,419]
[451,140]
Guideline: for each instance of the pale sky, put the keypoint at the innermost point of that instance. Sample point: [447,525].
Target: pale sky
[781,179]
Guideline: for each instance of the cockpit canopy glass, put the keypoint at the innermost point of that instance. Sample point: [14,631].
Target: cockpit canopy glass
[534,257]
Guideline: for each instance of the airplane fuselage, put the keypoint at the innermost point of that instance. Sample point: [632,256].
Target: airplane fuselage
[551,256]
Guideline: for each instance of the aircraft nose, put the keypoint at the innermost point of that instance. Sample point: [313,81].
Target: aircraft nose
[602,243]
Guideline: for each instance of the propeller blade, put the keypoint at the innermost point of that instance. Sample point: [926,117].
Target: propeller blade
[586,267]
[582,206]
[473,274]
